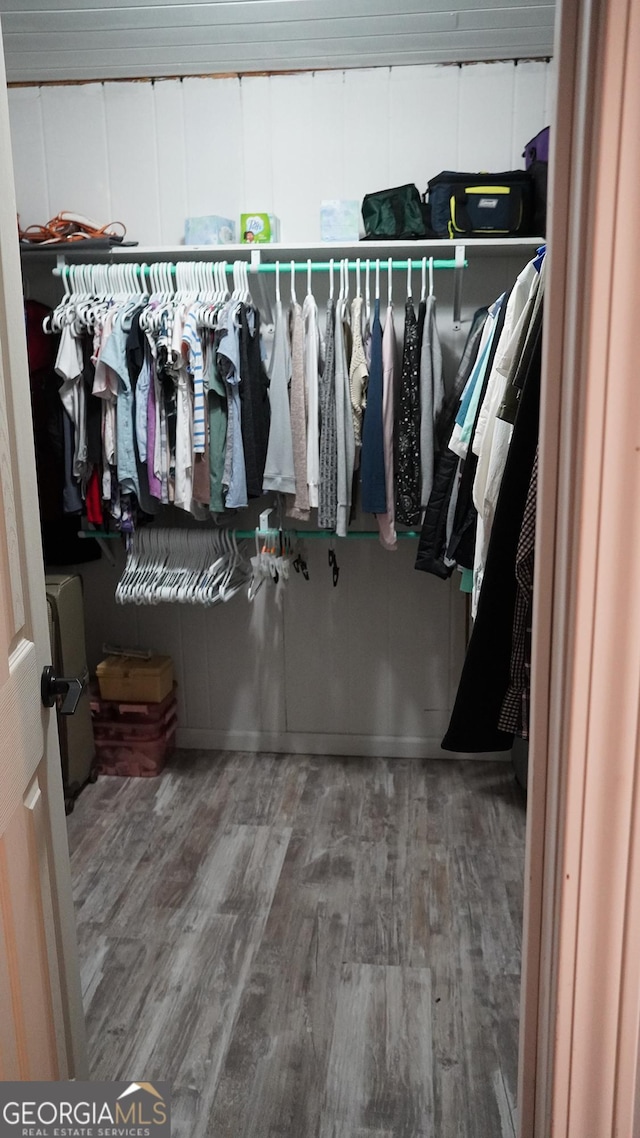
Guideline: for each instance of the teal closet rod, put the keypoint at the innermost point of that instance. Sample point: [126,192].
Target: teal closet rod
[325,266]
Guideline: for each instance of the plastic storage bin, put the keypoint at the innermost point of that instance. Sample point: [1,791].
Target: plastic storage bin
[106,710]
[134,757]
[133,740]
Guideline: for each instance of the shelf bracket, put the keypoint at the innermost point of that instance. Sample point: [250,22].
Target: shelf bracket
[256,258]
[457,287]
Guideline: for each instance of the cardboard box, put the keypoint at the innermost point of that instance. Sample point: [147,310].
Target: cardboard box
[133,680]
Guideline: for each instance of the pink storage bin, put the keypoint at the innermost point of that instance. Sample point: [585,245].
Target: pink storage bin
[135,758]
[118,730]
[103,709]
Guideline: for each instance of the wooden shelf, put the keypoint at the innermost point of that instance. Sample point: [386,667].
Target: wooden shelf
[302,251]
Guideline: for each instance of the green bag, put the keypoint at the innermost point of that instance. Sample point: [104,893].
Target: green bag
[398,214]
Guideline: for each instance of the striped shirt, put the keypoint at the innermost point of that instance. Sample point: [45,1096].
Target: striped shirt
[191,338]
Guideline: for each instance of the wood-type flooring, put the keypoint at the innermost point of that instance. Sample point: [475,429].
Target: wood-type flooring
[306,947]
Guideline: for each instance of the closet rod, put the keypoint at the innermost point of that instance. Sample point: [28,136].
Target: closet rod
[325,266]
[299,266]
[355,535]
[241,534]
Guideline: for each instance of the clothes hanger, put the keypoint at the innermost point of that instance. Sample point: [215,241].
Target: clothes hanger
[226,295]
[378,279]
[367,290]
[409,284]
[423,290]
[389,281]
[247,289]
[309,292]
[358,289]
[294,299]
[430,276]
[278,300]
[331,278]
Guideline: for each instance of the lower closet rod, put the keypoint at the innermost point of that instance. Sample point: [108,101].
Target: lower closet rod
[355,535]
[242,534]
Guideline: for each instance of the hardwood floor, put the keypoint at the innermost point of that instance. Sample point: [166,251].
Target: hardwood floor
[306,947]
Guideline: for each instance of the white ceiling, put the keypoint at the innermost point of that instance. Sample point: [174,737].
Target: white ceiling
[87,39]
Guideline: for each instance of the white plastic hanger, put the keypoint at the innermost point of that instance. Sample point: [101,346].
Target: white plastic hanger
[309,290]
[277,282]
[331,278]
[378,279]
[358,289]
[423,290]
[409,284]
[367,291]
[294,299]
[430,276]
[389,281]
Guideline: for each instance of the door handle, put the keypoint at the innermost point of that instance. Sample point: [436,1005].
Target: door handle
[54,687]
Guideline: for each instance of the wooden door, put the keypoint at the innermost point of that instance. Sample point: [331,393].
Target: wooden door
[41,1026]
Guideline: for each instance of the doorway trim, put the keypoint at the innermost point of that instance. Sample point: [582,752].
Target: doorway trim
[578,1061]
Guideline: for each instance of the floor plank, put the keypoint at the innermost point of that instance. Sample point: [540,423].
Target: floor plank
[305,946]
[380,1067]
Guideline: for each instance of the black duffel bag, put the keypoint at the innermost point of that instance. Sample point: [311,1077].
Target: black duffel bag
[481,205]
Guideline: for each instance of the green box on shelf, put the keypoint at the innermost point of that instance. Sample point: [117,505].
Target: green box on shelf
[259,228]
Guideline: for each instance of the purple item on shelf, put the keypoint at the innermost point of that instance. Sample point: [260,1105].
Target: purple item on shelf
[537,150]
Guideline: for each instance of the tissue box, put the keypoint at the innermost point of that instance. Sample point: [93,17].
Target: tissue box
[259,228]
[340,220]
[211,230]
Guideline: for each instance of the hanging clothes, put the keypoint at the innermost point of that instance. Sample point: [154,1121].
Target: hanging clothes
[234,477]
[218,409]
[431,396]
[299,506]
[386,521]
[312,368]
[344,421]
[432,547]
[60,541]
[279,472]
[358,376]
[493,435]
[486,672]
[374,487]
[254,400]
[514,715]
[328,491]
[407,447]
[113,355]
[461,541]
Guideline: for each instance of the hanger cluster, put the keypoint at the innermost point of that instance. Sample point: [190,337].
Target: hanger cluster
[188,566]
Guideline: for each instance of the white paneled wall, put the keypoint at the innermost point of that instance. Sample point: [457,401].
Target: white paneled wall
[370,667]
[153,154]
